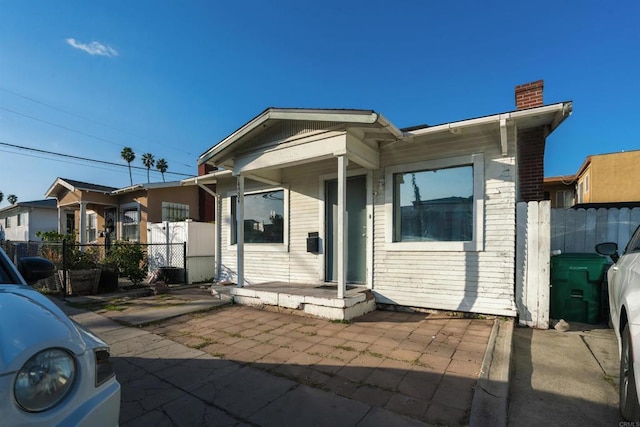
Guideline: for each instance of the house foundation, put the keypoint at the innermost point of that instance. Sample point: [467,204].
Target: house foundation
[314,300]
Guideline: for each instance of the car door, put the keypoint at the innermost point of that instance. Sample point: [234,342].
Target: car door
[624,276]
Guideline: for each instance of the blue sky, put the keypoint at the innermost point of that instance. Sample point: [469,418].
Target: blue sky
[174,78]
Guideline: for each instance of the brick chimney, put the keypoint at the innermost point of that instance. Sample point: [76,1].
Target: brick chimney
[529,95]
[531,144]
[207,210]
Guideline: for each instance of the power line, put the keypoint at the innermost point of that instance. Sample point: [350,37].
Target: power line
[86,159]
[68,128]
[71,113]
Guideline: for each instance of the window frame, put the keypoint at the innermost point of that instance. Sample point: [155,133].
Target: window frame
[87,231]
[475,245]
[175,205]
[126,208]
[562,194]
[260,247]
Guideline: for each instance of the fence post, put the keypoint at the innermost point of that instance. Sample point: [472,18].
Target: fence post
[184,260]
[64,266]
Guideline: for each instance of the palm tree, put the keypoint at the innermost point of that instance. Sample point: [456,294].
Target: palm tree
[161,165]
[128,156]
[1,196]
[148,161]
[12,198]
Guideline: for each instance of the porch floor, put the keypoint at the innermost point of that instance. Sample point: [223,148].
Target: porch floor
[315,299]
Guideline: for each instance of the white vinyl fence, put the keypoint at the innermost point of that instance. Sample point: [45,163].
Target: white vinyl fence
[200,247]
[579,230]
[533,263]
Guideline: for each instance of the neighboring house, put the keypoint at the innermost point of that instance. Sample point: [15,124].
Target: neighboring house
[602,179]
[21,221]
[607,178]
[90,210]
[560,190]
[423,216]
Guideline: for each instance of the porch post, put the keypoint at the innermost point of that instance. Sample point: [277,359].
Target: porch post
[83,224]
[60,226]
[240,230]
[343,161]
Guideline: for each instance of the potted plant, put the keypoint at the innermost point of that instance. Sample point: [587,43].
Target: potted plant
[109,274]
[82,272]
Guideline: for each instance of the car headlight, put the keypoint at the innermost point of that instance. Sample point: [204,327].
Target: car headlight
[45,380]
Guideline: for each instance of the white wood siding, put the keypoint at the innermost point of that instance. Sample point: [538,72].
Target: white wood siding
[292,263]
[470,281]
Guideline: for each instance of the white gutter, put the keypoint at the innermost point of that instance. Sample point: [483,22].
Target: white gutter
[564,108]
[389,126]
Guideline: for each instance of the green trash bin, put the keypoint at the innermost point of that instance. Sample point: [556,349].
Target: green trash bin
[576,287]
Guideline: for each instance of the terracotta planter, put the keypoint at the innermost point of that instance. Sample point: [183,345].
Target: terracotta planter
[81,281]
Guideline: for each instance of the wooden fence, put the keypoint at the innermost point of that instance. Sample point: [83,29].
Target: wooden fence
[532,263]
[579,230]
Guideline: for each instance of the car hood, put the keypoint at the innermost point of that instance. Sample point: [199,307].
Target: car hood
[29,323]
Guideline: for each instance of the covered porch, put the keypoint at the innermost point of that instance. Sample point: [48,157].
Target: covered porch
[273,152]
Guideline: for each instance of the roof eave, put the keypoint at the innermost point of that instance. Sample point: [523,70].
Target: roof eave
[557,113]
[352,116]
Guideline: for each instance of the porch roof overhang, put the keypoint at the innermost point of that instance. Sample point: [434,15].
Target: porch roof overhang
[209,178]
[224,153]
[146,187]
[63,184]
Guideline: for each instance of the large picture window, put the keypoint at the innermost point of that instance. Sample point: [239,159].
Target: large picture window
[434,205]
[131,224]
[264,217]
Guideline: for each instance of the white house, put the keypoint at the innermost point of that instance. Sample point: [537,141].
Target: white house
[421,217]
[21,221]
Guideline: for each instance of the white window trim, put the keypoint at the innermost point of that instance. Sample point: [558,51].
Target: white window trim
[477,244]
[86,231]
[126,207]
[586,184]
[261,247]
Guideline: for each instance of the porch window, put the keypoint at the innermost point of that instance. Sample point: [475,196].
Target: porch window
[131,224]
[21,221]
[436,205]
[173,212]
[7,222]
[264,217]
[92,226]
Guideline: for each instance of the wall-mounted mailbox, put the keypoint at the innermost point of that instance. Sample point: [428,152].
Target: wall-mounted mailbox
[313,243]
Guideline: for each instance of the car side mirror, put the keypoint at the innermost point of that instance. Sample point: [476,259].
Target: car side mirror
[609,249]
[35,268]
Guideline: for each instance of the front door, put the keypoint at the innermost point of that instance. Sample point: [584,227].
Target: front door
[355,232]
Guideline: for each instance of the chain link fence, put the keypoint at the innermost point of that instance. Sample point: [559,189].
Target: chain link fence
[167,260]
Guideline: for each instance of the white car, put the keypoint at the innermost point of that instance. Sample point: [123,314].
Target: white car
[52,371]
[623,280]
